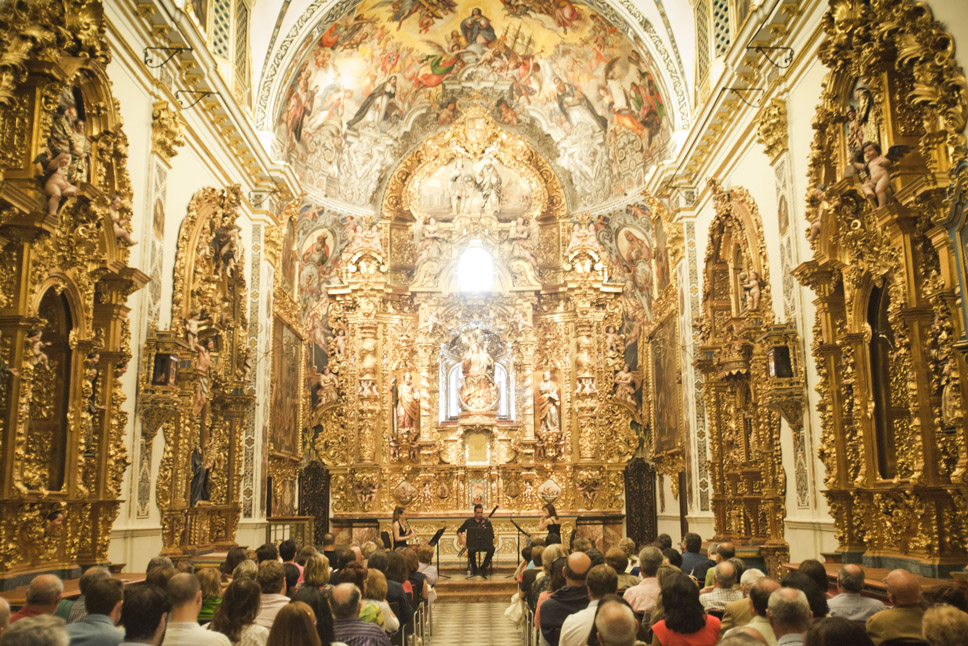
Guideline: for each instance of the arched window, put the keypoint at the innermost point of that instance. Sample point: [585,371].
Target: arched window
[475,270]
[881,347]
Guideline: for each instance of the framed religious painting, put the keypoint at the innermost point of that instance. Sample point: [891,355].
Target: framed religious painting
[666,404]
[286,404]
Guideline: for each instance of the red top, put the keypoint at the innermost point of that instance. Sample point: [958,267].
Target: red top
[26,611]
[708,635]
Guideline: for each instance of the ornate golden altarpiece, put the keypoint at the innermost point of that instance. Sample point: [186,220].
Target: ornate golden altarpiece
[64,282]
[886,276]
[404,422]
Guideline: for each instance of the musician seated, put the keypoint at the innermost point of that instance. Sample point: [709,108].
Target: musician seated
[478,522]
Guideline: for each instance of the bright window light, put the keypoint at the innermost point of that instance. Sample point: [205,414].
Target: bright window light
[475,270]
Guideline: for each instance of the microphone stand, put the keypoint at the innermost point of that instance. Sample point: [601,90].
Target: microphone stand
[520,531]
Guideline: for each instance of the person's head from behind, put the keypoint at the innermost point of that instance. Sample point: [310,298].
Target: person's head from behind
[617,559]
[319,602]
[160,575]
[355,574]
[247,569]
[303,555]
[834,631]
[601,580]
[815,598]
[239,608]
[104,597]
[346,601]
[749,579]
[266,552]
[945,625]
[235,556]
[44,592]
[317,571]
[726,551]
[650,558]
[185,593]
[329,541]
[91,575]
[295,625]
[425,554]
[947,593]
[680,598]
[536,553]
[817,573]
[581,544]
[788,611]
[903,588]
[673,556]
[576,568]
[615,624]
[760,595]
[551,553]
[724,576]
[744,636]
[850,578]
[664,540]
[42,630]
[292,577]
[692,542]
[378,561]
[159,561]
[376,585]
[396,567]
[211,582]
[144,614]
[271,577]
[287,550]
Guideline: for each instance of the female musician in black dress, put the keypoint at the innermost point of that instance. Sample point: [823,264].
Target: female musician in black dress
[401,529]
[549,521]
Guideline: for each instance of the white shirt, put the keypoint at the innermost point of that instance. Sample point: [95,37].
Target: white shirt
[269,607]
[575,629]
[252,635]
[189,633]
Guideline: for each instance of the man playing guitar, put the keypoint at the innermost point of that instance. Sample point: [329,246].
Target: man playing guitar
[478,521]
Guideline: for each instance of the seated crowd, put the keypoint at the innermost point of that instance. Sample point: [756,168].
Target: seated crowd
[283,597]
[662,597]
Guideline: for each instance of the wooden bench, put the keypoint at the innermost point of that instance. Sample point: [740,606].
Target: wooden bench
[874,579]
[17,597]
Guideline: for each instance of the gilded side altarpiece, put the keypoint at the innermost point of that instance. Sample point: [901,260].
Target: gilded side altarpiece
[65,209]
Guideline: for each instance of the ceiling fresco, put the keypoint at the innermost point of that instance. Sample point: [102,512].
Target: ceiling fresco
[369,87]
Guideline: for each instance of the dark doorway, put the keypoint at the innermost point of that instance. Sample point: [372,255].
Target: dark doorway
[314,497]
[640,518]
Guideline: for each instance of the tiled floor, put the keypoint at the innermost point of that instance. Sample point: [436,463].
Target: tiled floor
[477,624]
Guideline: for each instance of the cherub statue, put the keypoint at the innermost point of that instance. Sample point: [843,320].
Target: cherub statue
[813,231]
[877,166]
[36,346]
[625,385]
[191,330]
[247,365]
[612,340]
[56,185]
[339,343]
[121,222]
[752,287]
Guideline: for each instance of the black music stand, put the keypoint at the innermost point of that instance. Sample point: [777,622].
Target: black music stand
[480,539]
[520,531]
[435,543]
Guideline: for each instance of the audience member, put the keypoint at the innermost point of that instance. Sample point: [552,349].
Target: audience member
[43,594]
[849,603]
[395,592]
[948,593]
[542,582]
[368,548]
[316,573]
[571,598]
[758,602]
[91,574]
[601,580]
[4,615]
[741,636]
[318,601]
[103,603]
[235,615]
[818,574]
[291,572]
[581,544]
[673,557]
[615,625]
[529,576]
[685,620]
[789,615]
[628,546]
[287,552]
[211,582]
[815,598]
[356,574]
[418,581]
[160,575]
[836,631]
[186,602]
[724,552]
[740,612]
[247,569]
[304,553]
[235,556]
[723,592]
[347,625]
[36,630]
[616,558]
[692,556]
[945,625]
[184,566]
[664,540]
[375,593]
[266,552]
[329,548]
[643,595]
[345,558]
[272,581]
[144,614]
[295,625]
[595,556]
[159,561]
[425,558]
[904,619]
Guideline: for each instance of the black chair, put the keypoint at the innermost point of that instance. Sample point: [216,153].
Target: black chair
[385,537]
[905,641]
[397,637]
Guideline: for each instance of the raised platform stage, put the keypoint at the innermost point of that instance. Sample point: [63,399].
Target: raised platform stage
[459,589]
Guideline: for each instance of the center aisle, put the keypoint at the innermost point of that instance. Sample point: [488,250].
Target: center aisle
[481,623]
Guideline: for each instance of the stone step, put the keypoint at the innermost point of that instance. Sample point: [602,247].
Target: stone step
[461,589]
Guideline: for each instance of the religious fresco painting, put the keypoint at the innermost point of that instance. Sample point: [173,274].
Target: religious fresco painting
[468,186]
[386,69]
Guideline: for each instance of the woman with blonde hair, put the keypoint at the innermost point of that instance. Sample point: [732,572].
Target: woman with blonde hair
[317,572]
[376,593]
[295,625]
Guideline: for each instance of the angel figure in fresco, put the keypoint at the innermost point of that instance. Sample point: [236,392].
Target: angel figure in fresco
[625,385]
[429,245]
[549,405]
[408,404]
[36,345]
[372,238]
[378,106]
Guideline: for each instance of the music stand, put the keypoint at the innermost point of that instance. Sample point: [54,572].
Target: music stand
[435,543]
[480,539]
[520,531]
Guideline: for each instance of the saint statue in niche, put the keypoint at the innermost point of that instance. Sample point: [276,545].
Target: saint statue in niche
[477,389]
[549,404]
[408,404]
